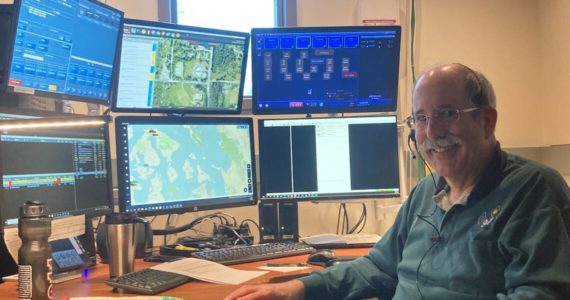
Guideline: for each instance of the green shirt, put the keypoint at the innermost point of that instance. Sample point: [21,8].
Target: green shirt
[511,240]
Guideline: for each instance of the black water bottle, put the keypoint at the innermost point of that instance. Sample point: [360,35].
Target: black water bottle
[34,256]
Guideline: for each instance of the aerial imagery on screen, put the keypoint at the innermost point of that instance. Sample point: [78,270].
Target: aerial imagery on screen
[173,69]
[170,163]
[191,75]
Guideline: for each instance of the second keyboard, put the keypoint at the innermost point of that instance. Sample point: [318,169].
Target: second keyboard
[243,254]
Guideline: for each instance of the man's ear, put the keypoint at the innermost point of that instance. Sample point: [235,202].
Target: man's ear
[490,119]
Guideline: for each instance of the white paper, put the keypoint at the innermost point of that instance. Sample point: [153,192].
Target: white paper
[347,239]
[208,271]
[60,229]
[282,269]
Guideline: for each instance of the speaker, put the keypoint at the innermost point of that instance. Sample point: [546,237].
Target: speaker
[288,221]
[268,222]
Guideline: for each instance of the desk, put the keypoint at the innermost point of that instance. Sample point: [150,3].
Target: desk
[95,284]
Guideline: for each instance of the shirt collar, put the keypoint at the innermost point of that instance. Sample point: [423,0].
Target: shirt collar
[490,178]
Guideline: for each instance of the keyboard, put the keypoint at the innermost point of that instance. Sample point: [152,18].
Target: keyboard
[162,258]
[147,281]
[243,254]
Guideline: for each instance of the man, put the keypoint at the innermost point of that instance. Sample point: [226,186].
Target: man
[490,225]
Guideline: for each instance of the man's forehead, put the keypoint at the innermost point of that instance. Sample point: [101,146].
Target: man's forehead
[439,88]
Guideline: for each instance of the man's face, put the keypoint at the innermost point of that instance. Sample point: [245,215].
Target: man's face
[454,150]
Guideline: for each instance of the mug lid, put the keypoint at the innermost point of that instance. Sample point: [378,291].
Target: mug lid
[120,218]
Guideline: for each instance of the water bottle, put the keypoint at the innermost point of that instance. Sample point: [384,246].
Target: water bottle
[34,256]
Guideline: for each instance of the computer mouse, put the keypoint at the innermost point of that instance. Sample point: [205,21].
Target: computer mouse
[321,257]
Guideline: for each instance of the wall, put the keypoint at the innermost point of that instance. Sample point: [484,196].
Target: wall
[554,33]
[521,45]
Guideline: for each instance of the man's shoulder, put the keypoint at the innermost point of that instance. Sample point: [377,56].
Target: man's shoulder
[523,167]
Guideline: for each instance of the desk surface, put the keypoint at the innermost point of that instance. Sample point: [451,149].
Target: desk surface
[95,284]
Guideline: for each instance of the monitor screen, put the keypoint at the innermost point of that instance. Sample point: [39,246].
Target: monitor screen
[178,164]
[64,49]
[329,158]
[180,69]
[61,162]
[325,69]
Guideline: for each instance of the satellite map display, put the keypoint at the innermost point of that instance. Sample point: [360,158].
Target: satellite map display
[190,74]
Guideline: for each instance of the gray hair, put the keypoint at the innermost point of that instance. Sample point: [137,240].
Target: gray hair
[478,89]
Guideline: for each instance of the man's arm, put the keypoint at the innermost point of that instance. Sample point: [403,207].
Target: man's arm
[290,290]
[536,242]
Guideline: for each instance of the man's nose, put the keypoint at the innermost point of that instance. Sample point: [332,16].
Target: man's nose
[434,130]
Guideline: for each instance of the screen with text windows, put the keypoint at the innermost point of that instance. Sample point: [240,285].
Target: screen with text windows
[65,49]
[177,68]
[177,164]
[325,69]
[64,166]
[328,158]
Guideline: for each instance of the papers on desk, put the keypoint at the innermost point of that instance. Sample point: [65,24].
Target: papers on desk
[341,241]
[208,271]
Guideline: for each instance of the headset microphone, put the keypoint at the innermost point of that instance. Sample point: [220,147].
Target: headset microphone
[412,137]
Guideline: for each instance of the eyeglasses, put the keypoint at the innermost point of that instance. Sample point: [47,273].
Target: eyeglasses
[444,117]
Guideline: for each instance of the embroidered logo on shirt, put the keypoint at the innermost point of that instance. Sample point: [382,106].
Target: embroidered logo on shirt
[488,217]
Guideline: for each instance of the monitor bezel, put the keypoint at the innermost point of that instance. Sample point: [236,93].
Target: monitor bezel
[332,197]
[122,173]
[60,96]
[322,29]
[179,110]
[89,213]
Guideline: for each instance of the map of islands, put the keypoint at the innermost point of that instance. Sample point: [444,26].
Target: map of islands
[188,74]
[171,163]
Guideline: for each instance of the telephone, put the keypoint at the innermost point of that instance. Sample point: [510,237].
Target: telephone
[69,254]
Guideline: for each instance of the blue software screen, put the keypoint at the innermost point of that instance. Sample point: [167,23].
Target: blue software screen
[325,69]
[65,47]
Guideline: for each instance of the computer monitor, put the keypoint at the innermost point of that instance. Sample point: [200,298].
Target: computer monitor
[62,162]
[325,69]
[328,158]
[63,49]
[174,68]
[179,164]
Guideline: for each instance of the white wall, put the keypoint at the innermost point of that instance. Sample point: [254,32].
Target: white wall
[554,51]
[521,45]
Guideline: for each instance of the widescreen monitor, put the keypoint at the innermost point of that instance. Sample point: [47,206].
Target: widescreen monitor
[64,49]
[173,68]
[309,70]
[328,158]
[179,164]
[62,162]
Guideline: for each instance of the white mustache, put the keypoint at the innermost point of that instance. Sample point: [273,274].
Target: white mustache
[447,141]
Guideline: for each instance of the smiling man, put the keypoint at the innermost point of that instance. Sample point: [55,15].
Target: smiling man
[489,225]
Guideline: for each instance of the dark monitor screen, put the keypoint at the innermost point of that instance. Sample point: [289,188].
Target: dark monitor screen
[325,69]
[64,49]
[329,158]
[180,69]
[61,162]
[178,164]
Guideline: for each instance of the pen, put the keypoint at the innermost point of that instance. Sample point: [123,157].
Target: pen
[286,265]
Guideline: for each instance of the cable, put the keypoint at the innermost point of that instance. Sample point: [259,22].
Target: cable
[338,220]
[345,219]
[361,220]
[167,222]
[419,266]
[251,221]
[412,37]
